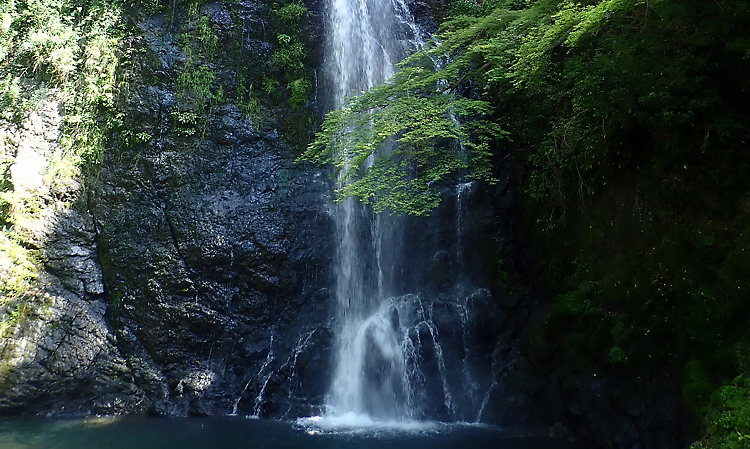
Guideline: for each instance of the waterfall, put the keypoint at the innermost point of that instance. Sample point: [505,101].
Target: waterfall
[405,330]
[373,369]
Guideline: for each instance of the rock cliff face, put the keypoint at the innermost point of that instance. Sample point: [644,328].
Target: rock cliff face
[215,247]
[57,351]
[192,276]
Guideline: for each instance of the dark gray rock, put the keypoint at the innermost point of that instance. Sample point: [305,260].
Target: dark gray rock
[423,14]
[57,352]
[215,250]
[63,359]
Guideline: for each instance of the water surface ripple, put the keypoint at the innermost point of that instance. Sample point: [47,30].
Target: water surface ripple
[235,433]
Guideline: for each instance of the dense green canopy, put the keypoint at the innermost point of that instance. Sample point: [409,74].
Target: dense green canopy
[429,134]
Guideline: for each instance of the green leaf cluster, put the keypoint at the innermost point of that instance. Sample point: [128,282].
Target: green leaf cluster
[195,86]
[247,99]
[291,14]
[393,144]
[289,57]
[71,44]
[197,89]
[728,422]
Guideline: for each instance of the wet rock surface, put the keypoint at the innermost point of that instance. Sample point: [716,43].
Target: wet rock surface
[57,352]
[194,277]
[215,247]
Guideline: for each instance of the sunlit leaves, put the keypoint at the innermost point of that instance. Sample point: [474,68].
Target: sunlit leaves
[416,134]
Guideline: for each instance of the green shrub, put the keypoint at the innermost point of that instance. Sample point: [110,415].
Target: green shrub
[291,14]
[299,92]
[728,420]
[617,356]
[194,86]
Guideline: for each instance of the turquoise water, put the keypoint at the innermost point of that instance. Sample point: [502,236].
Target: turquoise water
[231,433]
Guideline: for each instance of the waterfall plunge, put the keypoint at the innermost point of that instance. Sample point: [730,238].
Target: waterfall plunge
[374,368]
[391,367]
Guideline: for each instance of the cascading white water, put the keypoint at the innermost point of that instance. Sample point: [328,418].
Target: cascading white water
[391,366]
[372,375]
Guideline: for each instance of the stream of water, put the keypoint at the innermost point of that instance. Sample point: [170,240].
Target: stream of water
[392,364]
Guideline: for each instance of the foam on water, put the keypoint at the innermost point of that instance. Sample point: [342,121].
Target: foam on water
[364,424]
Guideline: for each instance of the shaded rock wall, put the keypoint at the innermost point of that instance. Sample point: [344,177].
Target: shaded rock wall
[215,247]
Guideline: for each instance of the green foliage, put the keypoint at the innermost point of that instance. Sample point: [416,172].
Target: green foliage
[207,37]
[582,79]
[73,44]
[742,356]
[270,86]
[509,52]
[21,271]
[195,87]
[629,123]
[14,103]
[617,355]
[672,302]
[197,90]
[291,14]
[290,55]
[51,44]
[187,122]
[468,8]
[288,63]
[299,92]
[728,421]
[192,7]
[90,115]
[428,139]
[578,301]
[247,99]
